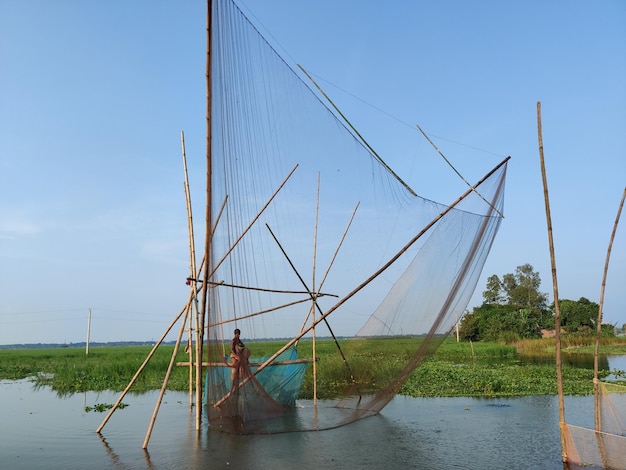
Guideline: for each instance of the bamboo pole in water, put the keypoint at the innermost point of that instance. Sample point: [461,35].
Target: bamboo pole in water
[192,265]
[313,335]
[596,352]
[141,368]
[208,218]
[557,313]
[166,379]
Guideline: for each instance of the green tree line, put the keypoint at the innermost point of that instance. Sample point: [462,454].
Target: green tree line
[514,308]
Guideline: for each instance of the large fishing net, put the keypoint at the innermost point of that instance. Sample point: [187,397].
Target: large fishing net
[313,237]
[604,444]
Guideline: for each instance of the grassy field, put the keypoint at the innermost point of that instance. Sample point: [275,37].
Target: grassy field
[456,369]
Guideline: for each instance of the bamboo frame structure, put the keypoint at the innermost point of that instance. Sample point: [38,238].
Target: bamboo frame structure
[357,289]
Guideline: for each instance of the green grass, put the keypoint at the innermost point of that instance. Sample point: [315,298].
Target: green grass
[70,370]
[456,369]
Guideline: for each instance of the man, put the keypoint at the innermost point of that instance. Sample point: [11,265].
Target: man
[239,355]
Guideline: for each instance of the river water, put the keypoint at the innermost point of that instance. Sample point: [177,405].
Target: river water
[39,429]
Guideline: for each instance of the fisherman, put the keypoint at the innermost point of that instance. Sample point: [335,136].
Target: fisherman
[239,355]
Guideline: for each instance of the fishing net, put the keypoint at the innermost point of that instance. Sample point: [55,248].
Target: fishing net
[604,445]
[313,237]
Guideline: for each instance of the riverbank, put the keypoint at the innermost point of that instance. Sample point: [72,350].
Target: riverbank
[456,370]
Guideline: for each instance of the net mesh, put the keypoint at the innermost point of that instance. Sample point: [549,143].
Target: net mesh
[604,445]
[314,237]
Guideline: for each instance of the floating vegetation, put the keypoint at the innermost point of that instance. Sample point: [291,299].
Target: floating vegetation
[102,407]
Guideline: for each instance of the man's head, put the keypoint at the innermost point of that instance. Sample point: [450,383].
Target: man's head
[237,331]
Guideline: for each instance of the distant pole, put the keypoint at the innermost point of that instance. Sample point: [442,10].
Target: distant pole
[88,333]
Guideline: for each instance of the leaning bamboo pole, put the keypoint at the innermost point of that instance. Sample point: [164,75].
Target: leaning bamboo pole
[142,367]
[596,352]
[166,379]
[193,318]
[557,312]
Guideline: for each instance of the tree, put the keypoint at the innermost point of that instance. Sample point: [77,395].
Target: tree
[493,294]
[580,315]
[522,289]
[513,308]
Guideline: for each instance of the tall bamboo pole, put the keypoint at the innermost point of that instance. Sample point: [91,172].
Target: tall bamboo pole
[557,312]
[205,308]
[193,318]
[313,335]
[596,352]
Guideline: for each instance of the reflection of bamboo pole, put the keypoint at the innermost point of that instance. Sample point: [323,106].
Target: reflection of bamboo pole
[373,276]
[141,368]
[166,379]
[598,417]
[557,312]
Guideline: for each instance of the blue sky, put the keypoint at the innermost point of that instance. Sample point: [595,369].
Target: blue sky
[93,96]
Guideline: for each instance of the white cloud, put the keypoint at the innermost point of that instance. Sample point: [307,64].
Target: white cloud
[12,227]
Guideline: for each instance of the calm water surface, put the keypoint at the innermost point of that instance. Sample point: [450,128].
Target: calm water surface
[38,429]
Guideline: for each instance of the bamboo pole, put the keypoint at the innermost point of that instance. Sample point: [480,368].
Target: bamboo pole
[88,333]
[557,311]
[596,352]
[372,277]
[454,169]
[313,336]
[254,219]
[193,318]
[165,380]
[208,255]
[358,135]
[314,306]
[141,368]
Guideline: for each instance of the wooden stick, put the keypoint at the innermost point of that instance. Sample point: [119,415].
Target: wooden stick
[192,261]
[165,381]
[141,368]
[253,221]
[455,170]
[314,301]
[596,352]
[557,311]
[208,255]
[255,364]
[315,305]
[262,312]
[359,136]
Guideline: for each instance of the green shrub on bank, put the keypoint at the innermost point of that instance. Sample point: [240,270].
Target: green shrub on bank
[456,369]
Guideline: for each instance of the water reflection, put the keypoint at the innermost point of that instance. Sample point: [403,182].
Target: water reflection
[41,430]
[578,360]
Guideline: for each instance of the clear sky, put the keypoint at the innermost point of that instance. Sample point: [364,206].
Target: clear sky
[94,94]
